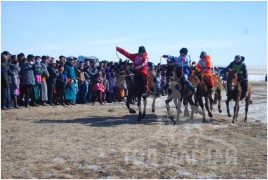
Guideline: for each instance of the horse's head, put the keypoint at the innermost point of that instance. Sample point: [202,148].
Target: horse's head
[171,69]
[122,67]
[232,80]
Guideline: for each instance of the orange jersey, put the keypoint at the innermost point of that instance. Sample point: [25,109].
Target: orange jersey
[205,65]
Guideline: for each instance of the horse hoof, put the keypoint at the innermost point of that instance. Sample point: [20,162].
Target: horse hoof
[153,110]
[210,115]
[220,111]
[229,115]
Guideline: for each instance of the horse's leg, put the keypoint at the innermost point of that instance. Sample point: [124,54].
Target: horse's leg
[153,105]
[216,95]
[219,99]
[186,111]
[208,107]
[167,105]
[211,102]
[248,101]
[144,106]
[227,106]
[132,111]
[236,109]
[197,109]
[201,104]
[178,105]
[139,106]
[193,106]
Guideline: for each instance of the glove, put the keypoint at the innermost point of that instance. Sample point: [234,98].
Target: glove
[165,56]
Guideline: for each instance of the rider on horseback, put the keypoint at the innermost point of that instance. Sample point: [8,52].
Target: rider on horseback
[182,61]
[205,66]
[140,60]
[239,66]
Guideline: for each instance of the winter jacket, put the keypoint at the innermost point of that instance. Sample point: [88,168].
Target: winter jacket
[4,74]
[140,63]
[182,61]
[240,67]
[53,73]
[205,65]
[27,74]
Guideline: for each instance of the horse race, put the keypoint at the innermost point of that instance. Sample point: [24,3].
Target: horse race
[169,90]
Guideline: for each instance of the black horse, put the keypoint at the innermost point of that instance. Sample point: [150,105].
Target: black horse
[134,86]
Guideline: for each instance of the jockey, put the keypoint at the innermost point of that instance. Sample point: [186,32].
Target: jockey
[140,60]
[205,66]
[239,65]
[183,61]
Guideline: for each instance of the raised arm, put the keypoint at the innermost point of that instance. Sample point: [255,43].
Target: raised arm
[125,53]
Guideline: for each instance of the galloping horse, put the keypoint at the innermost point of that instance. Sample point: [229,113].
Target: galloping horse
[203,91]
[135,87]
[234,91]
[177,92]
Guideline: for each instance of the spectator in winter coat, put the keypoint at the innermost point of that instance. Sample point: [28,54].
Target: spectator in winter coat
[14,80]
[28,80]
[44,76]
[106,87]
[70,90]
[98,88]
[5,88]
[82,84]
[51,80]
[60,84]
[87,68]
[140,60]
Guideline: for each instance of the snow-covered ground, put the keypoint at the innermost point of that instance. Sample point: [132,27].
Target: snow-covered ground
[257,74]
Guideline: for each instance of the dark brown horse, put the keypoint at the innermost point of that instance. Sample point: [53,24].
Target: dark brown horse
[234,91]
[135,88]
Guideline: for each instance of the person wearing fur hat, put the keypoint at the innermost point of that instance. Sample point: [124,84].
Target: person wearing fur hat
[182,62]
[140,60]
[205,66]
[51,80]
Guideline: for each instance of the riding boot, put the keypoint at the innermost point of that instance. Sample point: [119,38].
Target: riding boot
[189,85]
[244,86]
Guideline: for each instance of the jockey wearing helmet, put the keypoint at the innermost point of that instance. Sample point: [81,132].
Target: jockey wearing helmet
[205,66]
[140,60]
[241,68]
[182,62]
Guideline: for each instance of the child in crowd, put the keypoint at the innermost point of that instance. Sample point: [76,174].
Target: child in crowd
[106,87]
[99,88]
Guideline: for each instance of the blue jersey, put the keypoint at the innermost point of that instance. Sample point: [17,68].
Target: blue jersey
[181,61]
